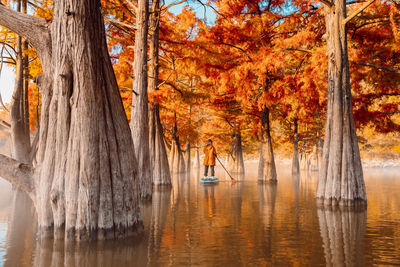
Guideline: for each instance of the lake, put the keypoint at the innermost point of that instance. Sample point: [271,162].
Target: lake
[228,224]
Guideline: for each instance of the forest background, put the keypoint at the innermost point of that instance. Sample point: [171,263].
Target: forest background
[216,55]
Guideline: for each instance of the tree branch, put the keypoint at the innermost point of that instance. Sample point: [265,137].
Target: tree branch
[327,3]
[5,124]
[358,11]
[241,49]
[17,173]
[35,30]
[378,67]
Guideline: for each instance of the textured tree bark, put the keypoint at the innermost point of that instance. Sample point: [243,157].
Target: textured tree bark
[158,153]
[342,231]
[341,177]
[85,180]
[140,116]
[235,156]
[20,135]
[266,165]
[295,161]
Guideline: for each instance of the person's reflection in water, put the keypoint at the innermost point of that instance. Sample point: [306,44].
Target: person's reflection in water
[21,230]
[210,202]
[342,232]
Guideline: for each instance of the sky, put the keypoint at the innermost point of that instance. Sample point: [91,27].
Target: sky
[7,75]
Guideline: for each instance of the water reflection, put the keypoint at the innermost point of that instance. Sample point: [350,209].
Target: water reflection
[267,195]
[342,231]
[234,224]
[142,250]
[21,230]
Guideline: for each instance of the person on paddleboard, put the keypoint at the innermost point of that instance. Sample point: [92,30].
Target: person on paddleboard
[209,157]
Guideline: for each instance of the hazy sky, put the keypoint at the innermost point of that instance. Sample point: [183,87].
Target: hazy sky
[6,83]
[7,75]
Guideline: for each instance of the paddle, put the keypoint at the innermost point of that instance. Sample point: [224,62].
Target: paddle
[233,179]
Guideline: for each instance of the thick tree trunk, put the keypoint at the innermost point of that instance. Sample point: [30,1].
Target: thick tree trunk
[158,154]
[235,156]
[140,116]
[295,161]
[266,165]
[342,233]
[340,178]
[85,183]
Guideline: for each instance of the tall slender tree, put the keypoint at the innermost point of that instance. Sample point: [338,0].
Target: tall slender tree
[158,154]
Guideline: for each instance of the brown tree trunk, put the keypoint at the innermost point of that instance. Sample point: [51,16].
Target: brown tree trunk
[188,158]
[314,164]
[340,178]
[177,161]
[20,135]
[295,161]
[196,163]
[266,165]
[158,154]
[84,184]
[140,116]
[235,156]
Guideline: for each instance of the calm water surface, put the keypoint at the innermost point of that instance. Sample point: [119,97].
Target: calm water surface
[241,224]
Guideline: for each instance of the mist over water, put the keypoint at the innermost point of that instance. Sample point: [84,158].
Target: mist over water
[228,224]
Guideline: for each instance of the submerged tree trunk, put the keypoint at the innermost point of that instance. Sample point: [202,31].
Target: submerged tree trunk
[158,154]
[188,158]
[235,156]
[295,161]
[84,185]
[266,165]
[22,207]
[314,161]
[177,162]
[341,177]
[140,117]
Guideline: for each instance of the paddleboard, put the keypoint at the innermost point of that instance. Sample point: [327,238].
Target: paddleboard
[209,180]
